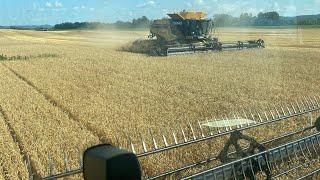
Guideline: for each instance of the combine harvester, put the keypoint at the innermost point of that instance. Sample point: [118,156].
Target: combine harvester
[189,32]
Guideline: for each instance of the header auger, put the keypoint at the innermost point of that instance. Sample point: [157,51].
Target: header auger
[189,32]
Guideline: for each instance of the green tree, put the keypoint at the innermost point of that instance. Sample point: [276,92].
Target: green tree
[223,20]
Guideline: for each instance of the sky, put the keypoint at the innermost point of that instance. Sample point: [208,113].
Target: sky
[36,12]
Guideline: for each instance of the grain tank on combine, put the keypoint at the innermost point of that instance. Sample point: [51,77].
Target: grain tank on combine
[189,32]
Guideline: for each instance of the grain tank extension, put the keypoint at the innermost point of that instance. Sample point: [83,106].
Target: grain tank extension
[190,32]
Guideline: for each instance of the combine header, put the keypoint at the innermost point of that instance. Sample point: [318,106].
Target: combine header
[292,154]
[189,32]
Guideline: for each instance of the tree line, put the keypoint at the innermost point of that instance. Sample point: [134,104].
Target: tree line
[265,19]
[245,19]
[142,22]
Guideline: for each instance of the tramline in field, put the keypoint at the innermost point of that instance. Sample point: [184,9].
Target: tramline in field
[190,32]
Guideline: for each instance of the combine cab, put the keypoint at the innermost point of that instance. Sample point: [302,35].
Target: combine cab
[189,32]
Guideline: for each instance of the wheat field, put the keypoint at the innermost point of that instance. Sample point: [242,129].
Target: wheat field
[63,91]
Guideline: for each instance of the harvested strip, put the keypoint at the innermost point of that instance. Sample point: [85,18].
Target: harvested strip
[11,159]
[42,129]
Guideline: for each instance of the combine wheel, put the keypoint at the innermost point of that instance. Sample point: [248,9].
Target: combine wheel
[158,52]
[154,52]
[220,46]
[193,47]
[260,43]
[317,124]
[216,46]
[240,45]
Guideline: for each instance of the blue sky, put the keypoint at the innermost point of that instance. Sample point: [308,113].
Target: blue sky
[23,12]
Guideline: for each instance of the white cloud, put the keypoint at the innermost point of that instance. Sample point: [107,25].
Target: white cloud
[199,5]
[237,7]
[276,7]
[82,7]
[199,2]
[48,4]
[290,8]
[58,4]
[34,5]
[146,4]
[227,8]
[165,11]
[254,11]
[207,8]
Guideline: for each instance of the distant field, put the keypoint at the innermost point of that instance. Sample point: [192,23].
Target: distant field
[76,88]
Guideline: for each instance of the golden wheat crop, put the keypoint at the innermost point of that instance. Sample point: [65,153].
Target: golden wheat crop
[110,94]
[11,162]
[41,128]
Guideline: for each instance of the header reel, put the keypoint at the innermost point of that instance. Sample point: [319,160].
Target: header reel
[254,148]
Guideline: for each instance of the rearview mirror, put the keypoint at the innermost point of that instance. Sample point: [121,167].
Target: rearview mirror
[106,162]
